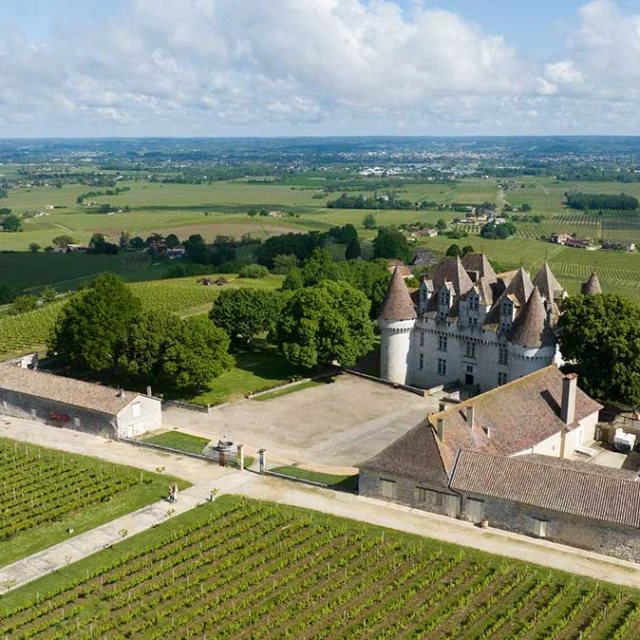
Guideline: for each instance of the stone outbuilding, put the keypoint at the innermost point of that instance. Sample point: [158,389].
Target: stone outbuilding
[75,404]
[508,457]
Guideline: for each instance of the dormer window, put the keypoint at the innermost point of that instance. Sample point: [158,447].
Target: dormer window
[444,297]
[474,302]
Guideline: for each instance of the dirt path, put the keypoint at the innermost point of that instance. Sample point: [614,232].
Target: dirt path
[345,505]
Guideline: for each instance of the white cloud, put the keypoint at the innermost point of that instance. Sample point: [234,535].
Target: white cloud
[224,67]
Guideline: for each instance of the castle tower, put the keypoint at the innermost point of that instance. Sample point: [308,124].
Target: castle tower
[396,320]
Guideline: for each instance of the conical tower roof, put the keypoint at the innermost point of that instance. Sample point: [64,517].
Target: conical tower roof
[548,284]
[530,328]
[397,303]
[592,286]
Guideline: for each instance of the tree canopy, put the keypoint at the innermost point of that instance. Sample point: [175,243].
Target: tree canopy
[199,355]
[245,313]
[326,322]
[90,325]
[11,223]
[391,243]
[601,334]
[584,201]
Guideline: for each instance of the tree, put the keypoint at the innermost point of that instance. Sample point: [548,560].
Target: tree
[140,350]
[245,313]
[125,240]
[353,250]
[453,251]
[369,221]
[255,271]
[282,263]
[252,213]
[24,303]
[11,223]
[98,243]
[525,208]
[5,211]
[325,323]
[466,249]
[49,294]
[90,325]
[136,243]
[441,225]
[172,241]
[63,241]
[294,280]
[601,334]
[199,355]
[195,248]
[391,243]
[34,247]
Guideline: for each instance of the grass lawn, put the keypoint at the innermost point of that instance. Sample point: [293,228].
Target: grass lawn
[146,488]
[349,483]
[179,441]
[243,567]
[298,387]
[253,371]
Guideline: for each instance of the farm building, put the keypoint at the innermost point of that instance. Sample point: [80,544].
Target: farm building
[509,456]
[74,404]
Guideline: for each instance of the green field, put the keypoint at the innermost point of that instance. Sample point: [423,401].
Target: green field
[45,493]
[179,441]
[240,569]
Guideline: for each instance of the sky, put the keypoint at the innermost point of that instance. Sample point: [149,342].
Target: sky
[86,68]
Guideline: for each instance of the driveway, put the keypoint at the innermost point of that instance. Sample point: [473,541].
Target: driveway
[332,425]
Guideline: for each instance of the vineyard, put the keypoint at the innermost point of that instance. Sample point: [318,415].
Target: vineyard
[19,334]
[41,488]
[29,331]
[246,569]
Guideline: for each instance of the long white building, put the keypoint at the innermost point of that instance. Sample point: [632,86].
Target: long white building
[470,326]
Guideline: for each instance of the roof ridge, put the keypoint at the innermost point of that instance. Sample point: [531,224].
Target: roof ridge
[492,391]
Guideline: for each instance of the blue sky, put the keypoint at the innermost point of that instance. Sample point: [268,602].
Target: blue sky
[314,67]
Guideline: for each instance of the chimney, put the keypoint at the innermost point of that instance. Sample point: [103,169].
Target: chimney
[120,393]
[568,407]
[487,430]
[440,429]
[149,390]
[471,416]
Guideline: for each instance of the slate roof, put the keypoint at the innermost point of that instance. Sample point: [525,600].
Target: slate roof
[564,489]
[581,465]
[591,286]
[478,262]
[531,328]
[548,284]
[397,303]
[451,270]
[69,391]
[416,455]
[518,415]
[519,289]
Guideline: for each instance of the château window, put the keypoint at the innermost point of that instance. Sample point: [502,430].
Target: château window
[442,367]
[471,350]
[502,378]
[473,302]
[421,362]
[473,321]
[442,316]
[444,297]
[503,355]
[422,339]
[442,343]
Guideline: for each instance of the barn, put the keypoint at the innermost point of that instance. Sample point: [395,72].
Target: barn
[75,404]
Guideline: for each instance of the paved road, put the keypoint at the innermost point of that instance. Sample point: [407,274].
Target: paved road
[252,485]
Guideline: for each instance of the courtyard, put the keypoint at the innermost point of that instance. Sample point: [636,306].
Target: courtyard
[333,425]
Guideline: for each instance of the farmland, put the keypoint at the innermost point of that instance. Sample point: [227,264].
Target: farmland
[246,569]
[31,330]
[44,493]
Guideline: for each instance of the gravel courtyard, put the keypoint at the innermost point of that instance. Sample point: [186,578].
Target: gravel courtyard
[332,425]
